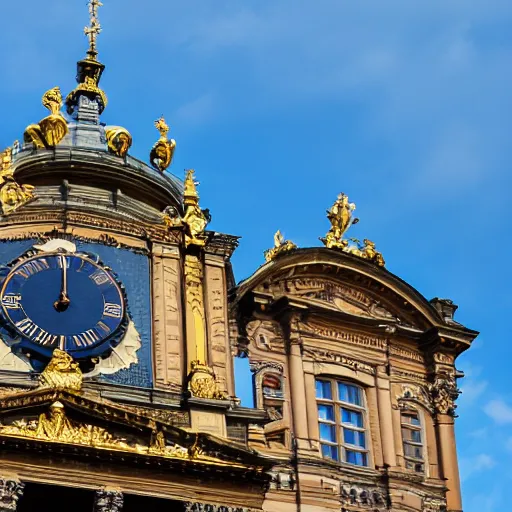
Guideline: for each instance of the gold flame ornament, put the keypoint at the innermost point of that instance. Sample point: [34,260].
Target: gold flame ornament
[163,150]
[341,217]
[119,140]
[12,194]
[52,129]
[280,246]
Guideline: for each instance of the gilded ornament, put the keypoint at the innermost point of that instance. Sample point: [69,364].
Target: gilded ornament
[94,29]
[119,140]
[90,87]
[341,218]
[171,217]
[52,129]
[163,150]
[12,194]
[194,219]
[61,373]
[280,246]
[202,383]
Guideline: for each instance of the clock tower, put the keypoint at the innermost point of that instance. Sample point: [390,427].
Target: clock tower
[120,320]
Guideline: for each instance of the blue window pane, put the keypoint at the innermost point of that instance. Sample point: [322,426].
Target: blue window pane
[352,417]
[415,421]
[354,437]
[416,436]
[326,412]
[328,432]
[357,458]
[330,452]
[323,389]
[349,393]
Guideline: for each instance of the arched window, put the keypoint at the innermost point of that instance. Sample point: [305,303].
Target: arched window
[342,421]
[412,437]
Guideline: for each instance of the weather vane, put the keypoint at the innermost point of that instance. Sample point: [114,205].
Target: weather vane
[94,29]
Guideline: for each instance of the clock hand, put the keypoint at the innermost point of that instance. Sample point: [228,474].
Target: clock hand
[62,303]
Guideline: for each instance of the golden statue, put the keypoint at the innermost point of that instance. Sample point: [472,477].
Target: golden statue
[368,252]
[341,218]
[163,150]
[61,373]
[280,246]
[194,218]
[119,140]
[12,194]
[52,129]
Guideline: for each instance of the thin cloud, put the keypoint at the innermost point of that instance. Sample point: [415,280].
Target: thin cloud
[499,411]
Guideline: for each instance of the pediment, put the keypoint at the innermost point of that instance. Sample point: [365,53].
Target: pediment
[74,420]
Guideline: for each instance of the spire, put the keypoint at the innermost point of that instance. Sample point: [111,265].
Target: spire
[87,101]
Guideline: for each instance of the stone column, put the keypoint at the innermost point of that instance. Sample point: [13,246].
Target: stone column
[11,490]
[298,392]
[386,419]
[444,393]
[108,500]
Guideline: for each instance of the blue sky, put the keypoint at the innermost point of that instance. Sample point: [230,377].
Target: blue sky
[281,104]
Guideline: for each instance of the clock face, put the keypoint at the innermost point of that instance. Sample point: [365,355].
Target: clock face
[63,300]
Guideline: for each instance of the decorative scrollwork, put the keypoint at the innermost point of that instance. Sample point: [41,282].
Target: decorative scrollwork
[444,393]
[202,383]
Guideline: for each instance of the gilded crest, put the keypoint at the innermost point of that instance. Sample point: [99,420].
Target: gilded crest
[119,140]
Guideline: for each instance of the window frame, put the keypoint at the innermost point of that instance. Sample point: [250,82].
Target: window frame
[412,411]
[340,427]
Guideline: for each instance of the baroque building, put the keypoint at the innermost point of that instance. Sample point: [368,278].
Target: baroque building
[120,320]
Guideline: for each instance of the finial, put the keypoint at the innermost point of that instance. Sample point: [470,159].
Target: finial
[280,246]
[162,152]
[94,28]
[195,219]
[341,218]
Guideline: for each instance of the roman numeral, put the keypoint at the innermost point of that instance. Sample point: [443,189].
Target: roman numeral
[112,310]
[45,338]
[11,301]
[86,338]
[27,327]
[99,277]
[32,267]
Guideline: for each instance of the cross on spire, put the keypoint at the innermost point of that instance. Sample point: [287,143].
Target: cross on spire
[94,29]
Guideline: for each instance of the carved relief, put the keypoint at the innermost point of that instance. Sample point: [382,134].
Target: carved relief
[433,505]
[203,507]
[107,500]
[369,341]
[362,497]
[10,492]
[406,353]
[266,335]
[218,336]
[444,392]
[344,298]
[414,393]
[333,357]
[195,306]
[167,321]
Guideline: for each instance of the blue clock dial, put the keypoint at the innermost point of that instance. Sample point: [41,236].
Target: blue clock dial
[63,300]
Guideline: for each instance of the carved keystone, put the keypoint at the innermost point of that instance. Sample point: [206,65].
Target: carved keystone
[108,500]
